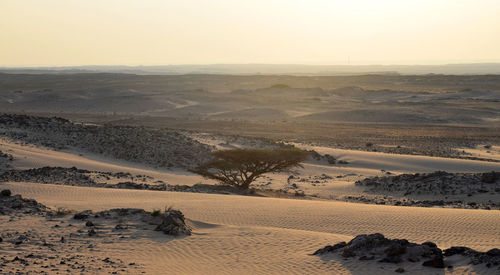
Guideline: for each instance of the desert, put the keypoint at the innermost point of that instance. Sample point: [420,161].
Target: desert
[250,137]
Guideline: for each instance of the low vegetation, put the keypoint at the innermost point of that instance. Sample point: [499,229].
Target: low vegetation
[240,167]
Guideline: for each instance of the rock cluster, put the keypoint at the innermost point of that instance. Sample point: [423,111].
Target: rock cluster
[437,183]
[389,200]
[51,175]
[377,247]
[170,222]
[81,177]
[327,157]
[157,147]
[18,205]
[5,160]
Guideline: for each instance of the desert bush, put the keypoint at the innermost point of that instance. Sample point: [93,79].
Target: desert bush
[155,212]
[240,167]
[62,211]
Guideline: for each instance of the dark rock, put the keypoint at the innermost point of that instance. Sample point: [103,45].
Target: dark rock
[330,159]
[173,223]
[330,248]
[490,177]
[430,244]
[436,261]
[395,250]
[400,270]
[120,227]
[82,215]
[493,252]
[89,223]
[92,232]
[348,253]
[391,259]
[460,250]
[5,193]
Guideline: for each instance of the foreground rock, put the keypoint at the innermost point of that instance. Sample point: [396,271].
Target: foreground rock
[37,240]
[375,247]
[170,222]
[16,204]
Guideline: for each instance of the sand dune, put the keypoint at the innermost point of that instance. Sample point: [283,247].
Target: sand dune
[273,235]
[255,235]
[404,163]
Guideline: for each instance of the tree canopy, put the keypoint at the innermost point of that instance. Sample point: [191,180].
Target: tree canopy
[240,167]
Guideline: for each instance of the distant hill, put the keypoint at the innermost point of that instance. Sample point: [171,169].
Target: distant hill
[270,69]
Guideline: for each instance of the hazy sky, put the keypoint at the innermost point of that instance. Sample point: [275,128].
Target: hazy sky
[160,32]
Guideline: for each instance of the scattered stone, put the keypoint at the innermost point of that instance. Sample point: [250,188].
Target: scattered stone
[376,246]
[5,193]
[89,223]
[120,227]
[400,270]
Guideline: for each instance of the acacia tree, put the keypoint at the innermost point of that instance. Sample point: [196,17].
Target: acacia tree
[240,167]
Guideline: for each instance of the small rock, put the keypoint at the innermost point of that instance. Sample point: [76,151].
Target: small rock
[82,215]
[5,193]
[89,223]
[120,227]
[400,270]
[436,261]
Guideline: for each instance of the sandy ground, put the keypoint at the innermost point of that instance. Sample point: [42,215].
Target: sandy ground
[254,235]
[360,165]
[268,235]
[484,151]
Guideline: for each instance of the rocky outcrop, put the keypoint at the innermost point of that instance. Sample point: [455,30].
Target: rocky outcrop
[50,175]
[15,204]
[170,222]
[157,147]
[81,177]
[402,201]
[327,157]
[5,160]
[376,247]
[437,183]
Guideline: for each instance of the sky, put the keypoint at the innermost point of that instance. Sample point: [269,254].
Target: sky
[327,32]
